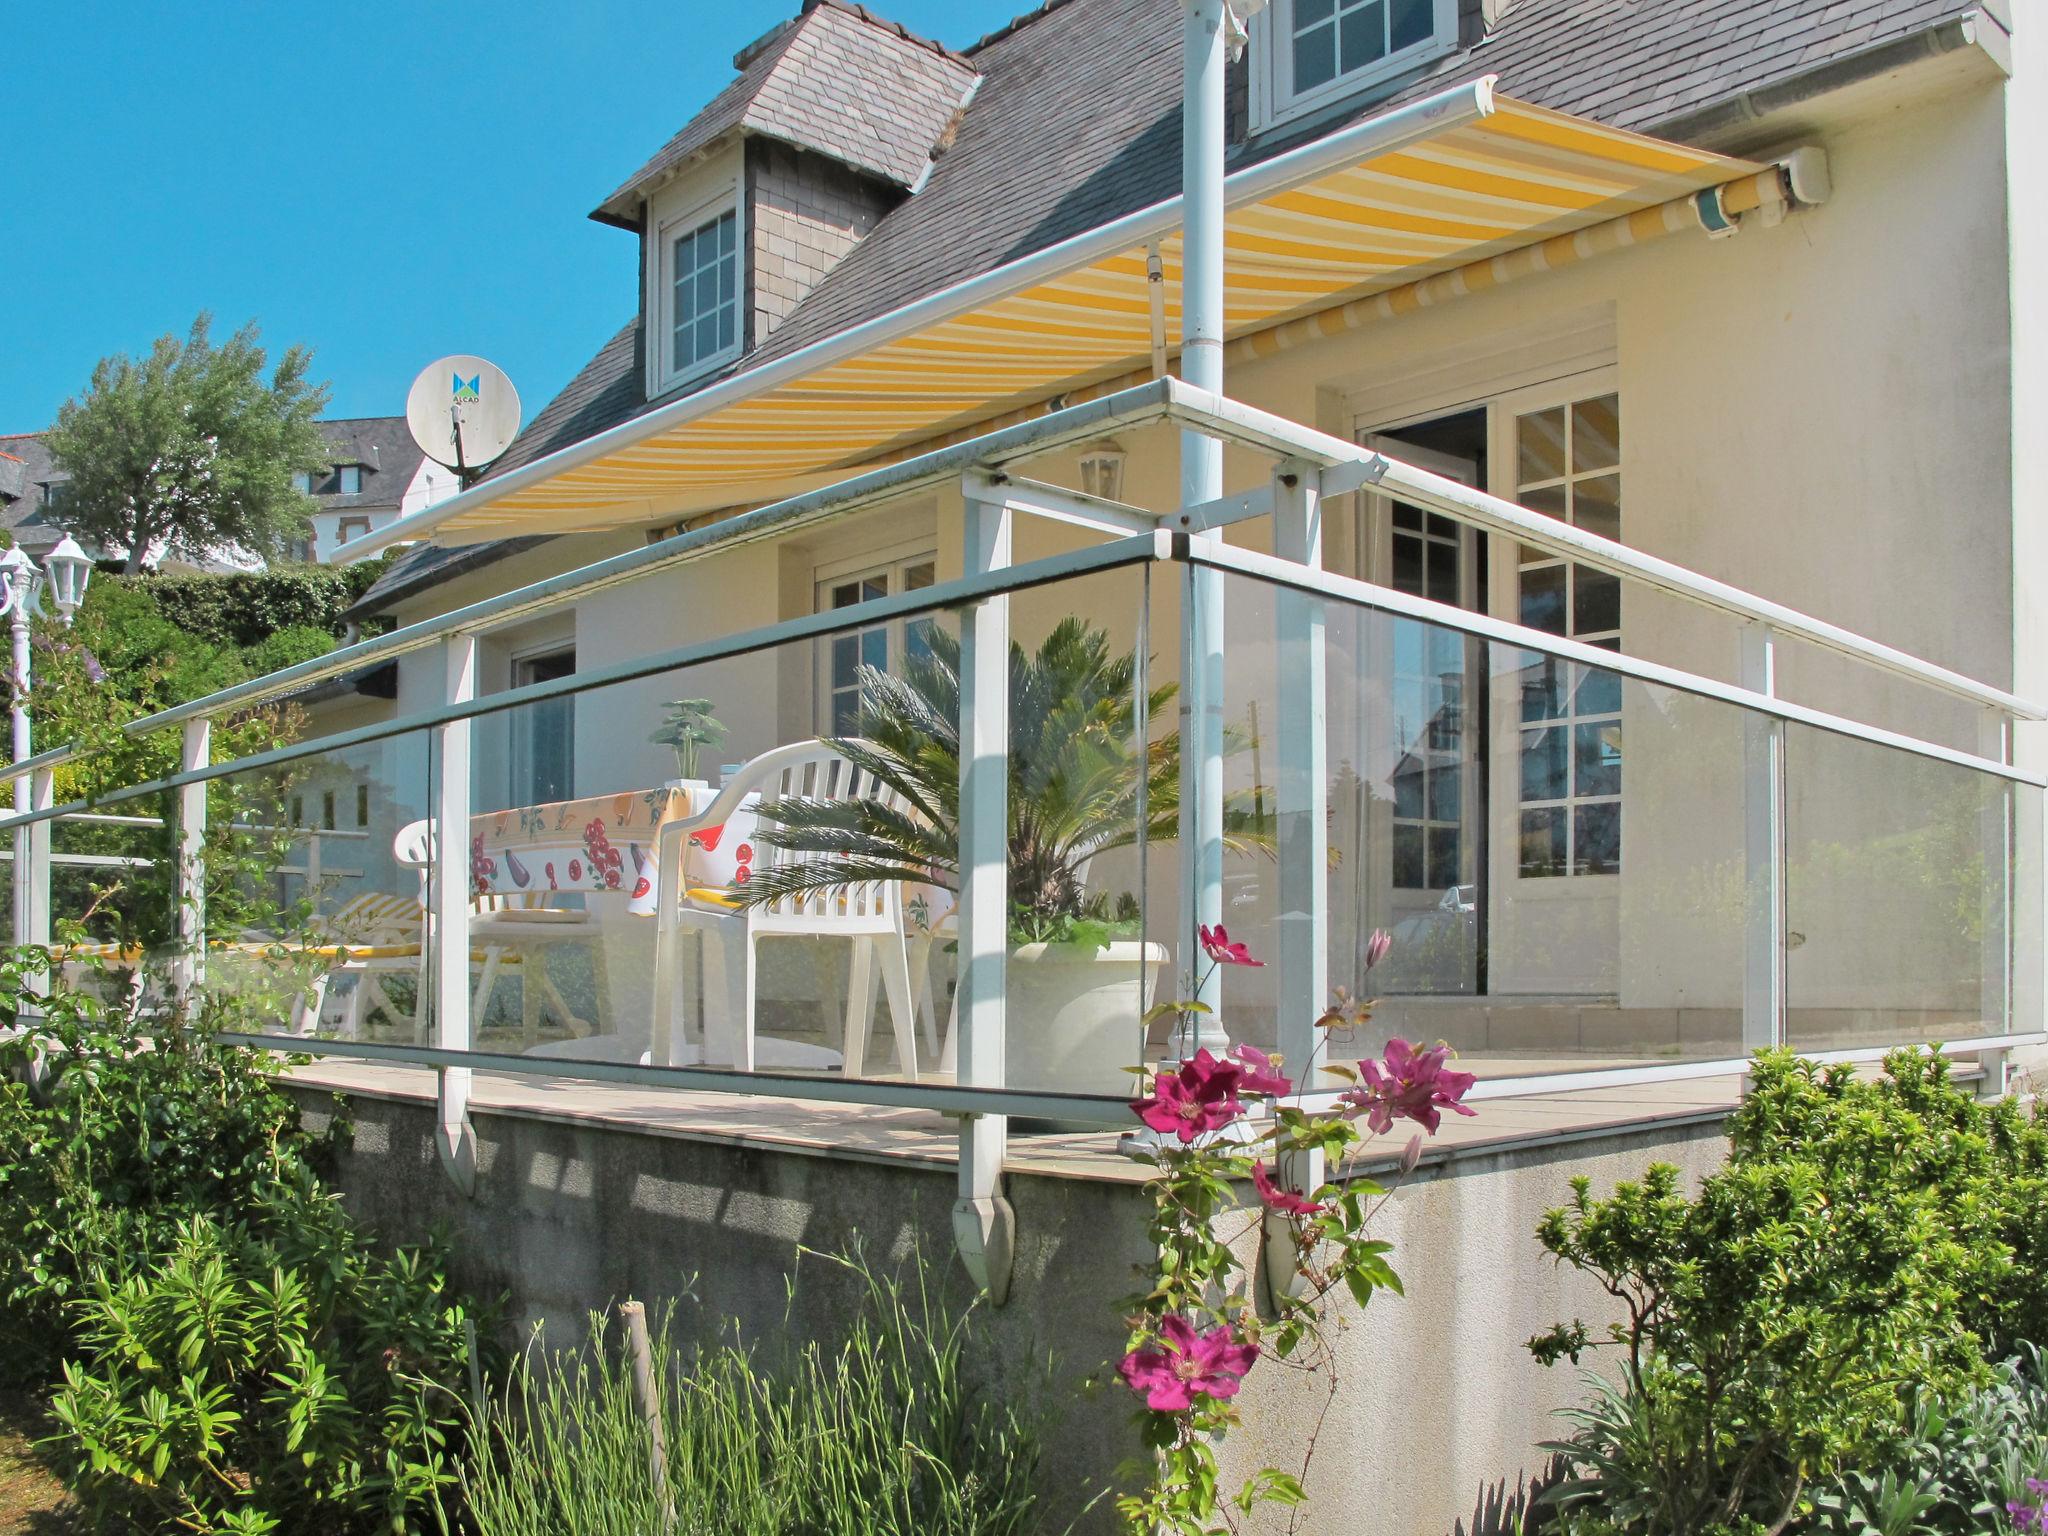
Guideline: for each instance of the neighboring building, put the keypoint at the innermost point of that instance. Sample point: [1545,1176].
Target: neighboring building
[32,491]
[378,476]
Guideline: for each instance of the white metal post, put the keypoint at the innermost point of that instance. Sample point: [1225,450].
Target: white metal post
[1995,998]
[1763,800]
[450,900]
[188,970]
[24,837]
[1302,801]
[984,1224]
[1201,480]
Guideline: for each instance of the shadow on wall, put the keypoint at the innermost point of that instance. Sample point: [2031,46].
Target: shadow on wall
[1504,1511]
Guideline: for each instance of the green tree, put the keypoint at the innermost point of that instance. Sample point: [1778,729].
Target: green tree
[190,449]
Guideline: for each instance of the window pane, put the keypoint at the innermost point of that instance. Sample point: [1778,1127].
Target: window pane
[1409,871]
[917,577]
[1443,573]
[845,712]
[845,660]
[1443,858]
[1543,689]
[707,336]
[726,234]
[727,277]
[1542,850]
[1596,601]
[1408,788]
[1550,501]
[685,261]
[1441,527]
[874,649]
[1315,57]
[1408,564]
[845,594]
[1543,764]
[1596,433]
[1365,36]
[1412,23]
[725,326]
[1597,845]
[1598,755]
[1443,792]
[1543,599]
[707,289]
[1599,692]
[1540,446]
[1596,505]
[1308,12]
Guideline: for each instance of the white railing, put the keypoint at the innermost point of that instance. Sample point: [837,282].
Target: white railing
[1308,467]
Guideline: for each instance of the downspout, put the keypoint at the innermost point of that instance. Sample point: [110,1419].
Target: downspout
[1206,33]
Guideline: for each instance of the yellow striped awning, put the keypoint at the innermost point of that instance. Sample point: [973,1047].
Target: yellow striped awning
[1461,177]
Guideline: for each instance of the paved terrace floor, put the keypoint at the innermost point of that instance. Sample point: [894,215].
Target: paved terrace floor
[922,1136]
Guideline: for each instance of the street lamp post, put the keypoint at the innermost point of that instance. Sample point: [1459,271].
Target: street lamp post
[66,570]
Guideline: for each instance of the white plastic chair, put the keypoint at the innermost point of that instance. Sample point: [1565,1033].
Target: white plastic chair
[869,914]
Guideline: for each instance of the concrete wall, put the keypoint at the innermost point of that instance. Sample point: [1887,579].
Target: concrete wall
[1441,1408]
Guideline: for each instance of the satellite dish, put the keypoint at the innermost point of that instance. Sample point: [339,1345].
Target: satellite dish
[463,412]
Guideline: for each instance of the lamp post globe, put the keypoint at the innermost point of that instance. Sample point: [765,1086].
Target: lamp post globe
[18,578]
[69,568]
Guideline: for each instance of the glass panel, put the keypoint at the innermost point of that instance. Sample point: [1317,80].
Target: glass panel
[314,929]
[1539,440]
[1596,433]
[1596,754]
[1543,599]
[1364,36]
[1596,505]
[1412,22]
[1596,601]
[1898,893]
[1596,840]
[1315,57]
[1543,764]
[1542,848]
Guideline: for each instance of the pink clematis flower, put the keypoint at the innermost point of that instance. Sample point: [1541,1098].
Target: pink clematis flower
[1408,1085]
[1377,946]
[1200,1097]
[1217,945]
[1261,1073]
[1190,1364]
[1286,1201]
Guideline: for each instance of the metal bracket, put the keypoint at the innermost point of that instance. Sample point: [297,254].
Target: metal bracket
[455,1137]
[986,1231]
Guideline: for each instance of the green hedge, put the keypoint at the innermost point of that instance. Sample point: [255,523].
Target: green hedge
[242,609]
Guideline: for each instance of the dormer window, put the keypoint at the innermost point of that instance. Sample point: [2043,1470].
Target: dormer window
[1309,54]
[349,480]
[704,277]
[696,292]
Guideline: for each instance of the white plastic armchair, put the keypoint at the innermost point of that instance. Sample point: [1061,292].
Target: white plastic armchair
[869,914]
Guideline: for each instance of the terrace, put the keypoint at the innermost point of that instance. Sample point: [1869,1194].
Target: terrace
[1605,932]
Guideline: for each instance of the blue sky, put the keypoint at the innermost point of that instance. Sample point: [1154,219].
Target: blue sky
[382,180]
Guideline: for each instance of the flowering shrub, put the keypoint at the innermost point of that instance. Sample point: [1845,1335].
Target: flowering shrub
[1197,1333]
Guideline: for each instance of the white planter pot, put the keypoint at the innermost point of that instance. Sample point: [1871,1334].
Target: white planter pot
[1073,1015]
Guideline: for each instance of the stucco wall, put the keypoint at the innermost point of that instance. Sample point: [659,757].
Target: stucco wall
[1442,1407]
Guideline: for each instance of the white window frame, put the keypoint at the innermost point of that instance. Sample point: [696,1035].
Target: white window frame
[661,299]
[1507,569]
[893,565]
[1273,97]
[521,763]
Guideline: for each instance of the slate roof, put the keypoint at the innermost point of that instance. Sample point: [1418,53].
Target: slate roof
[383,447]
[1076,121]
[836,79]
[25,468]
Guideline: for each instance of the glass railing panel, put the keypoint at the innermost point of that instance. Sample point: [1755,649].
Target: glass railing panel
[1096,746]
[313,880]
[1899,895]
[1554,851]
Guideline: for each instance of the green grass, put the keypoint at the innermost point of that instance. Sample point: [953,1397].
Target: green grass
[881,1436]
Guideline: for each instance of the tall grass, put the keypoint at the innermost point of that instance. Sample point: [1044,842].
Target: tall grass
[882,1434]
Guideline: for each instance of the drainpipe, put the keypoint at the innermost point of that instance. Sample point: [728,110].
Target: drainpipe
[1204,40]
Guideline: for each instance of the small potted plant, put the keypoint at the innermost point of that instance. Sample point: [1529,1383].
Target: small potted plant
[1080,973]
[687,729]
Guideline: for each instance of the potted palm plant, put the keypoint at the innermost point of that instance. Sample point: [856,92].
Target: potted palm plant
[687,729]
[1080,782]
